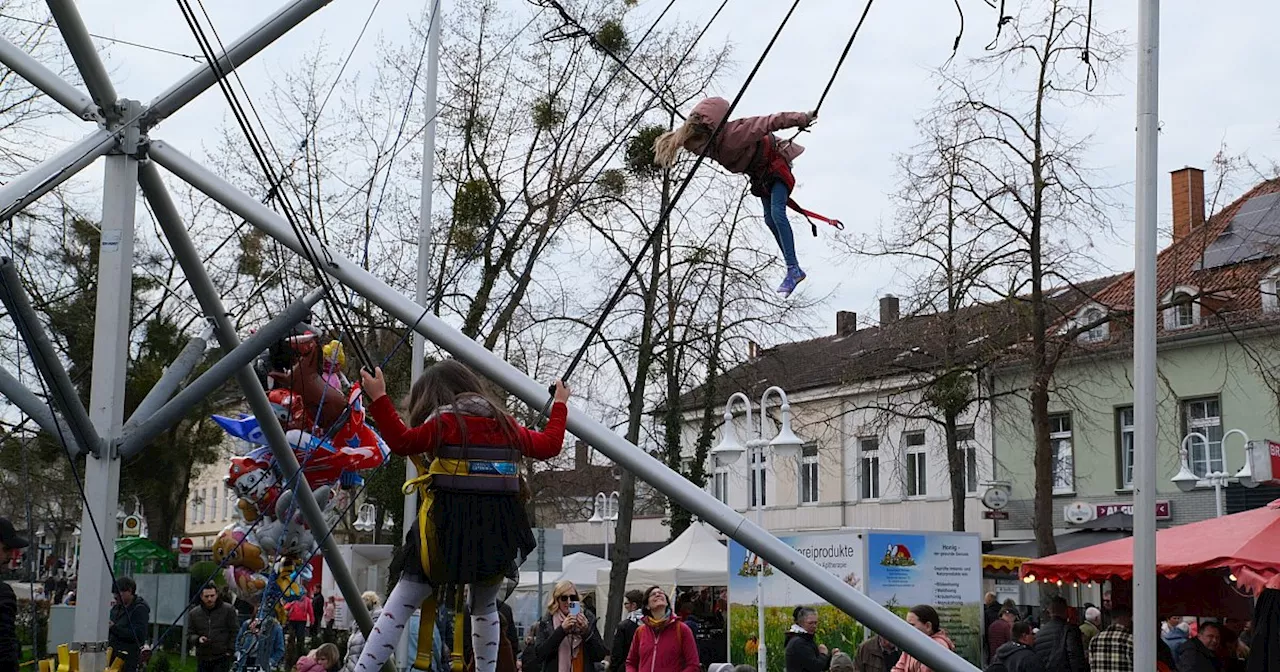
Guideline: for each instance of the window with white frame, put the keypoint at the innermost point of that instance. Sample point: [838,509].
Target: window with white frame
[809,474]
[720,484]
[1183,308]
[1096,333]
[1064,468]
[968,447]
[917,464]
[869,467]
[200,506]
[1269,287]
[1124,457]
[757,493]
[193,503]
[1204,417]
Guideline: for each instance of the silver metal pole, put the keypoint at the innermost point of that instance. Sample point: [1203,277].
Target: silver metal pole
[627,456]
[189,258]
[106,391]
[418,363]
[53,171]
[141,430]
[237,53]
[84,53]
[62,392]
[171,378]
[762,657]
[47,80]
[1144,339]
[21,396]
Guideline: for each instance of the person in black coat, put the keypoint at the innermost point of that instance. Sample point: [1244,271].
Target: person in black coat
[804,654]
[1059,644]
[130,617]
[1201,653]
[626,631]
[10,650]
[1016,654]
[546,644]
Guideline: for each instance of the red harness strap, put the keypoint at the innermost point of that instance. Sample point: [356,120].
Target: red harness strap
[769,166]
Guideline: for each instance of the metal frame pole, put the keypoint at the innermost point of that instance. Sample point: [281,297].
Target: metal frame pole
[84,53]
[21,396]
[106,390]
[53,171]
[237,53]
[57,88]
[418,363]
[202,286]
[603,438]
[62,392]
[143,429]
[1144,339]
[171,378]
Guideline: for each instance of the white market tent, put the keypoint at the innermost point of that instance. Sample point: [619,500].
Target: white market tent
[580,568]
[695,558]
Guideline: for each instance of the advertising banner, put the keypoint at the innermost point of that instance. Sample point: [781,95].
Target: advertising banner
[940,569]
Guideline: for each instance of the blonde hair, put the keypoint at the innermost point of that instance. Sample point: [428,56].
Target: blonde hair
[669,144]
[329,651]
[370,599]
[561,588]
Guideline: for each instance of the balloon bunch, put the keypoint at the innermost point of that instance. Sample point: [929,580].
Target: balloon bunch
[324,423]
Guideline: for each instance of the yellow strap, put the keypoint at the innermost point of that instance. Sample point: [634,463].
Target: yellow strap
[426,634]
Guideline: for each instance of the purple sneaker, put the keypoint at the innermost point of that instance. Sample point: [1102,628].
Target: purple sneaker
[794,277]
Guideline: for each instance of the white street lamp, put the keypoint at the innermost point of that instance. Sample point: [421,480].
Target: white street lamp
[603,514]
[365,518]
[730,449]
[1187,480]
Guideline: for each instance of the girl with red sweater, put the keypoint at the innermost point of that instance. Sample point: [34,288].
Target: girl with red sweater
[663,643]
[475,521]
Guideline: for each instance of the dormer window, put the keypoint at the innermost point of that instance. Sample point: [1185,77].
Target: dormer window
[1269,286]
[1183,308]
[1094,319]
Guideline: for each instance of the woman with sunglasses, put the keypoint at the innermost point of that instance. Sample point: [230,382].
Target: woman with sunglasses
[567,639]
[663,643]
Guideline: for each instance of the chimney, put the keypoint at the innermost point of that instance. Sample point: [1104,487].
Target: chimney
[753,349]
[888,309]
[1188,201]
[846,322]
[580,452]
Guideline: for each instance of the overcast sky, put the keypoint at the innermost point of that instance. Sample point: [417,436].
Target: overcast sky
[1217,84]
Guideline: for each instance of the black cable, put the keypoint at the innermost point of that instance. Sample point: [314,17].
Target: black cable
[848,45]
[46,24]
[666,213]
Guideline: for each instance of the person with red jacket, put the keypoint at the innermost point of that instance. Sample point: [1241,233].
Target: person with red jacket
[748,146]
[662,643]
[472,523]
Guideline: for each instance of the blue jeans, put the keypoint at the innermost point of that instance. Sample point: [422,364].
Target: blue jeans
[775,215]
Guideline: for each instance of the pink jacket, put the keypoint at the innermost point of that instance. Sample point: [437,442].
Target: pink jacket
[736,143]
[309,664]
[672,649]
[908,662]
[300,611]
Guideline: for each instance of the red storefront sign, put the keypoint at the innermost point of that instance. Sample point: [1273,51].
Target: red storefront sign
[1103,510]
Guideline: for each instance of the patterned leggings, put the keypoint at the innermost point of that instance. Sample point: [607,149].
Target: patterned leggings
[406,598]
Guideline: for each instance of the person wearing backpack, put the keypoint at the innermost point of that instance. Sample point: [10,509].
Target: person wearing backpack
[1016,655]
[1060,645]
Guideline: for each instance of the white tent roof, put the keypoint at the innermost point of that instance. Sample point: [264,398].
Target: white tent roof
[580,568]
[695,558]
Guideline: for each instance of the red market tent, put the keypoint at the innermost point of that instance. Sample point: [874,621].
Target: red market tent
[1244,545]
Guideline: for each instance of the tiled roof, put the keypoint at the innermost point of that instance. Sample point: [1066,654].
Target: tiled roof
[908,345]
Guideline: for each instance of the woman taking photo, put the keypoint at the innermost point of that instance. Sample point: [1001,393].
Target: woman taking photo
[662,643]
[567,639]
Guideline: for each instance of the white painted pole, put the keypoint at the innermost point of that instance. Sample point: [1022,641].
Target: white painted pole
[1144,339]
[424,262]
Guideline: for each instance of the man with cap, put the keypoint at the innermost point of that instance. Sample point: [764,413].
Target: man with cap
[10,544]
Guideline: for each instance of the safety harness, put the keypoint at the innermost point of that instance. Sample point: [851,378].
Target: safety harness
[463,469]
[768,166]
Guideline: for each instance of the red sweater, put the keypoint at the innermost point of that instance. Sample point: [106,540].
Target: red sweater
[480,431]
[673,649]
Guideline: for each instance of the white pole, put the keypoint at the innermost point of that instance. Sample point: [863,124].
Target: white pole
[761,656]
[424,262]
[1144,339]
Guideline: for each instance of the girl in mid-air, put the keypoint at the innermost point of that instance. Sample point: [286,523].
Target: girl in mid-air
[472,523]
[747,146]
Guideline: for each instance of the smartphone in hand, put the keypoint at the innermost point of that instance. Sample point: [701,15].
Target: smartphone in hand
[575,608]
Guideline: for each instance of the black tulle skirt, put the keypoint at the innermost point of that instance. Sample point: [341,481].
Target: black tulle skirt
[479,536]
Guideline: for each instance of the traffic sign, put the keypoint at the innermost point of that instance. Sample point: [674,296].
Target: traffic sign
[186,545]
[184,560]
[995,515]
